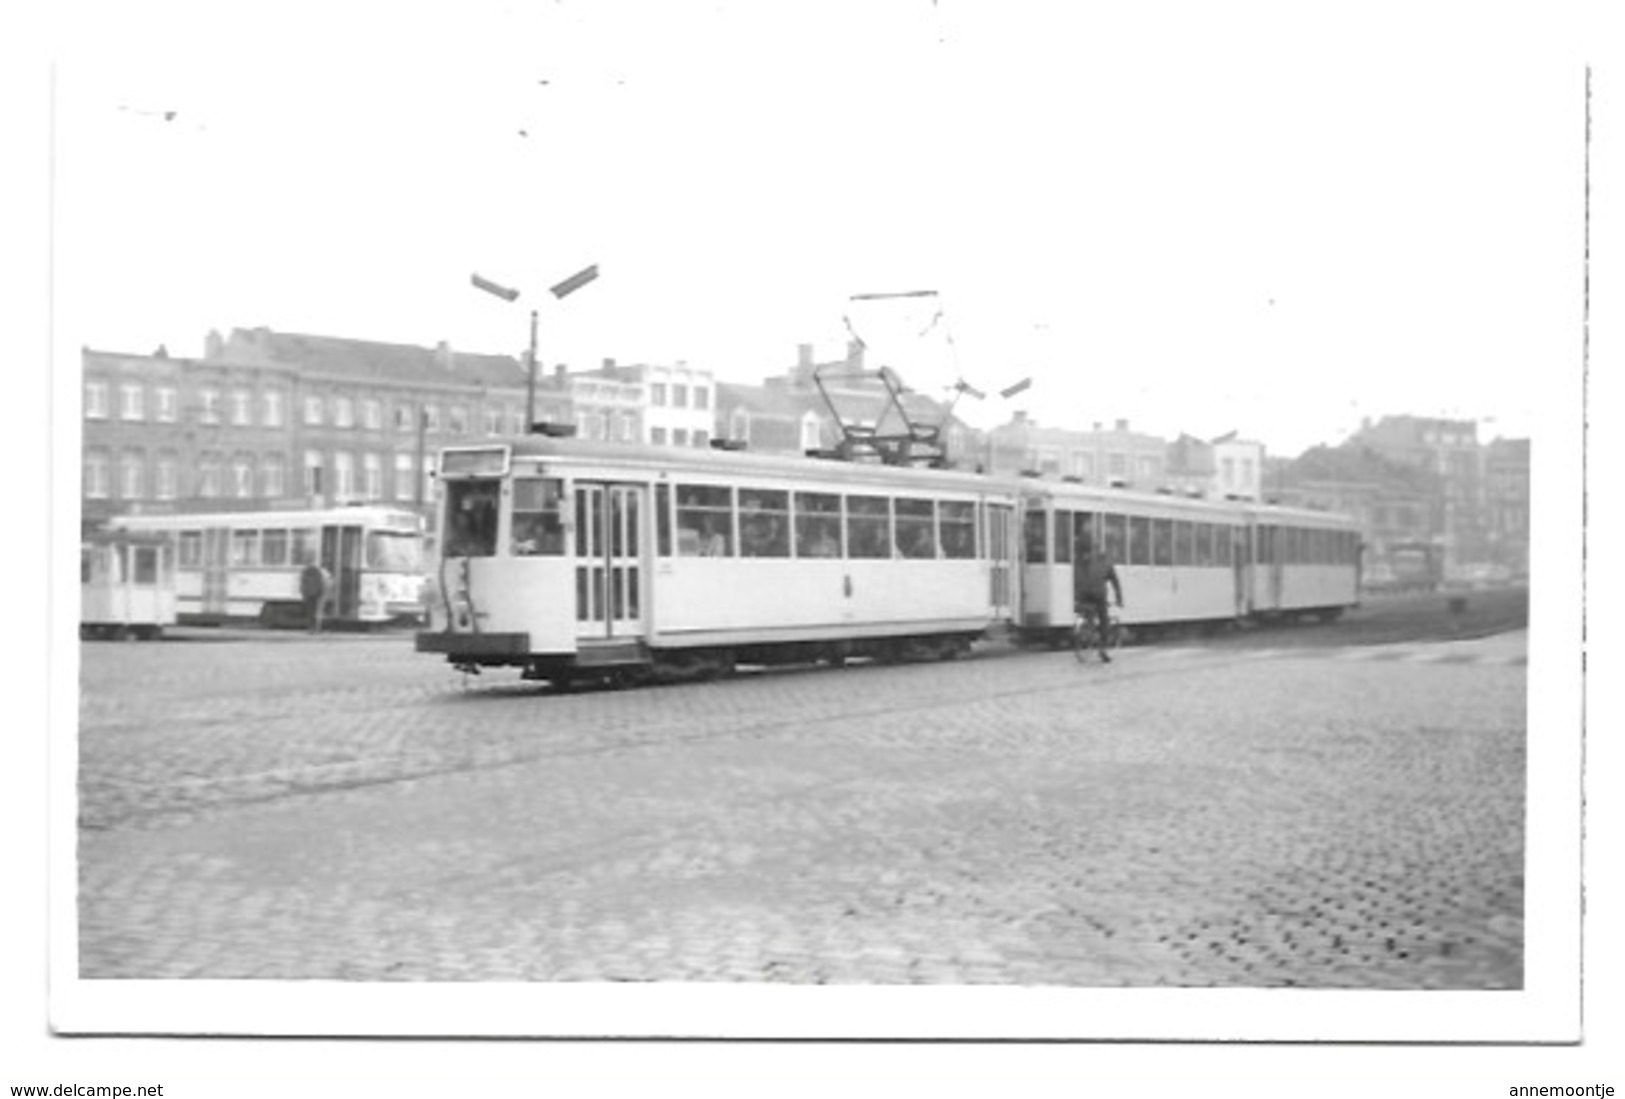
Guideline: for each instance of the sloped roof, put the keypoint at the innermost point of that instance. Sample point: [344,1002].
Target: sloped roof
[372,360]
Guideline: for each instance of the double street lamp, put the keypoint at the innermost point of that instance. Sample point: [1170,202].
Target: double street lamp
[564,289]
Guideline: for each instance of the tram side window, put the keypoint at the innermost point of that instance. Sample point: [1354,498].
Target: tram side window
[471,510]
[868,526]
[245,548]
[818,524]
[958,519]
[85,555]
[1202,544]
[146,565]
[1184,545]
[274,547]
[538,519]
[1034,530]
[1139,540]
[1114,537]
[1162,541]
[1083,534]
[916,528]
[1063,537]
[764,522]
[191,549]
[663,520]
[306,547]
[704,521]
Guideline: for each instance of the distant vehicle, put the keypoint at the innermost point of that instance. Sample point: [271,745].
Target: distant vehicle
[1416,566]
[126,585]
[244,566]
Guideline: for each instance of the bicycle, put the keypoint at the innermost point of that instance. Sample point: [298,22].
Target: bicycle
[1086,631]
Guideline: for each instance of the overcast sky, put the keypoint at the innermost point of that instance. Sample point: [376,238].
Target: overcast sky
[1197,218]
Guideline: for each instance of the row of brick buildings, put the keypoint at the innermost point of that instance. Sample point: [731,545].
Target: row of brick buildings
[270,419]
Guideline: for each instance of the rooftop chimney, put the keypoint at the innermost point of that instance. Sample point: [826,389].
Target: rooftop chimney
[443,356]
[1122,425]
[804,353]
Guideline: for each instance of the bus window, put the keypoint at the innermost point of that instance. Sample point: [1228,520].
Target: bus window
[471,507]
[1034,540]
[868,526]
[818,524]
[704,521]
[764,522]
[916,528]
[958,519]
[538,522]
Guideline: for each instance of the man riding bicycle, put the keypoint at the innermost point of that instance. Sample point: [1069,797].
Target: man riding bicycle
[1092,571]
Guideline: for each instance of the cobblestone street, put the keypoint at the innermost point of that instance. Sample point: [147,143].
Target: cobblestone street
[339,807]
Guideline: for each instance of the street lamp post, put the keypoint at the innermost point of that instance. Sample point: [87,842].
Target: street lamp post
[509,294]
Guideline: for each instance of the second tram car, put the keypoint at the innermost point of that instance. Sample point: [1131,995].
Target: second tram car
[572,559]
[126,585]
[244,566]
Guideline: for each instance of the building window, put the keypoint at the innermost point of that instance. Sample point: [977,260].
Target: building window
[431,417]
[1117,465]
[167,404]
[403,417]
[702,397]
[372,476]
[343,412]
[343,475]
[271,476]
[241,413]
[313,472]
[96,475]
[516,421]
[679,396]
[242,476]
[628,425]
[404,474]
[372,415]
[702,439]
[272,406]
[95,400]
[131,404]
[130,487]
[810,434]
[459,420]
[493,421]
[313,411]
[679,436]
[209,406]
[657,394]
[208,476]
[657,436]
[164,477]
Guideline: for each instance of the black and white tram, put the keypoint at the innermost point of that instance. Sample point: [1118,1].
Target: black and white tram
[572,559]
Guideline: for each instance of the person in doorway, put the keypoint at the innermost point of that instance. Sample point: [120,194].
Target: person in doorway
[1092,572]
[314,586]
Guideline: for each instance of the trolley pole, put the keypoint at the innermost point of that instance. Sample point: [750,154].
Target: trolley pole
[530,369]
[507,293]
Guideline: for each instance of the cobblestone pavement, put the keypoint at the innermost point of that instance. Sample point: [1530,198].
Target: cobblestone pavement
[343,808]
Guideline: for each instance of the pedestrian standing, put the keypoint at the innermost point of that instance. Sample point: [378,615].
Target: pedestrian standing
[314,584]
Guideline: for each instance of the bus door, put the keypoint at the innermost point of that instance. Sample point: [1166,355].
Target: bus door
[216,547]
[1001,526]
[341,557]
[609,560]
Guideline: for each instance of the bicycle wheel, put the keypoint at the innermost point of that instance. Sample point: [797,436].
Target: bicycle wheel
[1083,638]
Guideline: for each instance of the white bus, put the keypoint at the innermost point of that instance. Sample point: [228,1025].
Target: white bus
[245,566]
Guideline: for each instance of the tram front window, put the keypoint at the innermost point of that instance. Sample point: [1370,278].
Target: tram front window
[393,551]
[471,518]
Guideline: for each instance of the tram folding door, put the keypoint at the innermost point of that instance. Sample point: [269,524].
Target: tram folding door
[1001,532]
[341,556]
[216,547]
[609,560]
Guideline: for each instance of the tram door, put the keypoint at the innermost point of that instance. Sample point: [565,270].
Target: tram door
[1001,525]
[609,560]
[341,557]
[216,546]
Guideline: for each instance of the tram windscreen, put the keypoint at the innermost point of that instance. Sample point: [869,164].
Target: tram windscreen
[471,518]
[394,551]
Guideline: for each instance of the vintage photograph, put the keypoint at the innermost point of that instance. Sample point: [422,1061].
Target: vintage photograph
[894,521]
